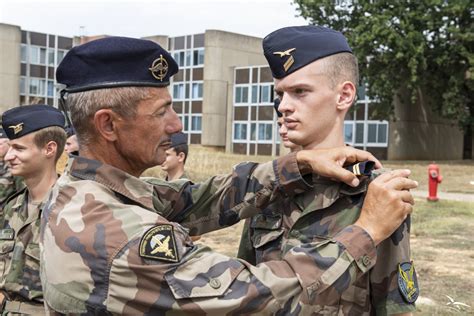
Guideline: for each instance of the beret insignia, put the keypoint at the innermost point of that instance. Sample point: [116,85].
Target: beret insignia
[159,68]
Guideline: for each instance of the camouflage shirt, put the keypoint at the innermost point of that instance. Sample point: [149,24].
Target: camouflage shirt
[319,215]
[19,249]
[9,184]
[111,244]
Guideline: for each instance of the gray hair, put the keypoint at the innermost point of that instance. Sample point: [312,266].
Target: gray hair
[83,105]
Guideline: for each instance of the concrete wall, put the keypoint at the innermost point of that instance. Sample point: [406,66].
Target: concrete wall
[162,40]
[224,51]
[418,133]
[10,40]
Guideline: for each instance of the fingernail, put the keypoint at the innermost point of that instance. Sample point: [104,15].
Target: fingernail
[355,182]
[416,182]
[408,171]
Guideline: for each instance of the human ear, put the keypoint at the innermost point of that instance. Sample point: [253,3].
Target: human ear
[346,95]
[105,122]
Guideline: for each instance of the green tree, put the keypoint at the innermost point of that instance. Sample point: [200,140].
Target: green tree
[423,46]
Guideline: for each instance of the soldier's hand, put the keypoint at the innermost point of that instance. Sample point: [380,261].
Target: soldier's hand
[329,162]
[387,204]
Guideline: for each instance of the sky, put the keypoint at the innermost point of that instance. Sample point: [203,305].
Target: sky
[147,17]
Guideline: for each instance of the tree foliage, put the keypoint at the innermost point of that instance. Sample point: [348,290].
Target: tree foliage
[424,46]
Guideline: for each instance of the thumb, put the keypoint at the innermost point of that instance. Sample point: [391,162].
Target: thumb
[345,176]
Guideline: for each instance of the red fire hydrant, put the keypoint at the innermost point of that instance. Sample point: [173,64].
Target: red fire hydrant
[434,178]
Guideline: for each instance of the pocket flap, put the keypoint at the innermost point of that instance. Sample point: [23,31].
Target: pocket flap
[6,246]
[266,221]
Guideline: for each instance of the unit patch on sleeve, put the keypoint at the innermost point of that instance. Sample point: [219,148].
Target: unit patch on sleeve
[407,281]
[159,243]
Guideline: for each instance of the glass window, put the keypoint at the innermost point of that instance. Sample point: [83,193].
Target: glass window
[197,91]
[188,58]
[50,56]
[196,123]
[34,86]
[348,135]
[43,56]
[240,131]
[185,121]
[253,131]
[359,133]
[34,55]
[265,131]
[361,92]
[22,85]
[265,94]
[61,54]
[50,88]
[198,57]
[24,53]
[241,94]
[382,134]
[178,91]
[372,130]
[254,94]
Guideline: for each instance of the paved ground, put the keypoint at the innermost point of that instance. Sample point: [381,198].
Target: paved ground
[446,196]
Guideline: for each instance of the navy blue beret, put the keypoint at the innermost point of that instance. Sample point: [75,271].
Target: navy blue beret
[178,139]
[70,131]
[22,120]
[116,62]
[291,48]
[2,133]
[276,104]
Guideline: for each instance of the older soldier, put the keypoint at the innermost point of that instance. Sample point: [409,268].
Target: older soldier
[9,184]
[316,76]
[37,140]
[111,242]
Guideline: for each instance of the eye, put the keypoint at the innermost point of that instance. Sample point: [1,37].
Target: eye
[299,91]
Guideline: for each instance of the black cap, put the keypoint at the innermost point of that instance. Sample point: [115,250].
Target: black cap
[276,104]
[178,139]
[291,48]
[116,62]
[20,121]
[70,131]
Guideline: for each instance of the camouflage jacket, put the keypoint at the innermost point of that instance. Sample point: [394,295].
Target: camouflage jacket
[319,215]
[19,249]
[9,184]
[111,244]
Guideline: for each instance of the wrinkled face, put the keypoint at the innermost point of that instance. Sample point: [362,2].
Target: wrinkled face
[3,147]
[172,160]
[25,157]
[144,139]
[71,144]
[308,104]
[283,131]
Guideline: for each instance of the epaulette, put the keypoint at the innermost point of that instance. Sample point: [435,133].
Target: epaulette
[363,168]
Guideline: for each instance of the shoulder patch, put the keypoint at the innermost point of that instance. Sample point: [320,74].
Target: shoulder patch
[407,282]
[159,243]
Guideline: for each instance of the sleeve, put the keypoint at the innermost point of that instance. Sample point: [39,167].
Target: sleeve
[205,282]
[246,251]
[385,295]
[223,201]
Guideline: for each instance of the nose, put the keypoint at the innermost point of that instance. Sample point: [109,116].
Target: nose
[285,105]
[9,155]
[174,125]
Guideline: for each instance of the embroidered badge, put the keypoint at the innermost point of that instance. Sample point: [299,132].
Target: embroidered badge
[159,243]
[407,281]
[159,68]
[16,128]
[290,61]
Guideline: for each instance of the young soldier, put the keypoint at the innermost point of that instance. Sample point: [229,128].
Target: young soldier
[9,184]
[316,76]
[176,157]
[127,243]
[37,140]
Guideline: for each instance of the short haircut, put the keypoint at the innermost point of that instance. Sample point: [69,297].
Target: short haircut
[183,148]
[342,67]
[52,133]
[83,105]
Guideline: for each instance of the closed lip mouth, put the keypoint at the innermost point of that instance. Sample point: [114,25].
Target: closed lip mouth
[290,120]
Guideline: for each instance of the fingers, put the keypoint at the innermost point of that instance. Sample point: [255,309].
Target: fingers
[401,183]
[345,176]
[385,177]
[356,155]
[407,197]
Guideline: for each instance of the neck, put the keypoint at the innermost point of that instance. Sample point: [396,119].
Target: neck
[335,138]
[175,174]
[106,153]
[40,184]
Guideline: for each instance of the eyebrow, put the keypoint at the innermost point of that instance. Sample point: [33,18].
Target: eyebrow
[294,86]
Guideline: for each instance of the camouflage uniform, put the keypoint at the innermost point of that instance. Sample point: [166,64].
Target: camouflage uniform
[98,258]
[9,184]
[19,256]
[319,215]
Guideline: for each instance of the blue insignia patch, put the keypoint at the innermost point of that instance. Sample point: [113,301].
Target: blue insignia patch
[407,282]
[159,243]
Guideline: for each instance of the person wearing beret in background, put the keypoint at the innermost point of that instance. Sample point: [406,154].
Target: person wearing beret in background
[176,157]
[114,243]
[72,146]
[316,76]
[9,183]
[37,138]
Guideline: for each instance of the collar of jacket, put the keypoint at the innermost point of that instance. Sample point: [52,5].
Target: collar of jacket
[115,179]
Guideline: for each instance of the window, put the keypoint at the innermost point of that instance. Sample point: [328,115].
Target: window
[241,94]
[196,123]
[42,58]
[348,134]
[198,57]
[197,91]
[254,94]
[359,133]
[37,86]
[266,94]
[178,91]
[265,131]
[61,54]
[188,58]
[50,57]
[24,53]
[50,88]
[34,55]
[185,121]
[372,133]
[382,133]
[179,58]
[253,131]
[22,85]
[240,131]
[377,133]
